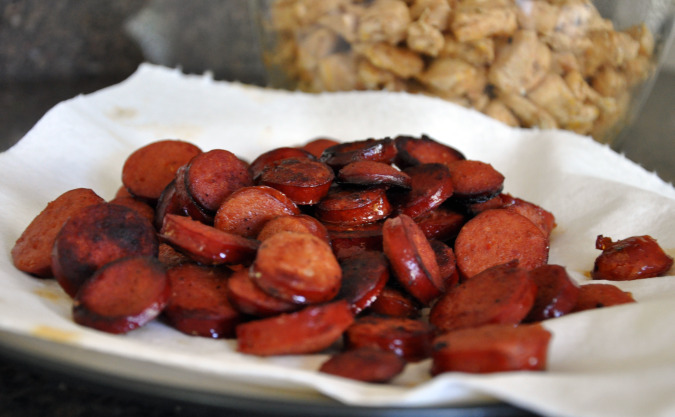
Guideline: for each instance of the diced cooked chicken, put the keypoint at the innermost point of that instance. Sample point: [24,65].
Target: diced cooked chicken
[453,77]
[498,110]
[424,38]
[608,48]
[289,14]
[609,82]
[644,37]
[373,78]
[528,113]
[480,52]
[433,12]
[564,62]
[555,97]
[477,19]
[314,46]
[344,24]
[520,65]
[400,61]
[584,92]
[384,21]
[537,15]
[638,70]
[337,72]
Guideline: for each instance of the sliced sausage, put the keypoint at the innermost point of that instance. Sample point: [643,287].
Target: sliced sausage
[143,208]
[267,159]
[199,303]
[412,259]
[557,293]
[395,303]
[593,296]
[168,203]
[149,169]
[447,264]
[363,277]
[186,202]
[122,295]
[352,207]
[301,223]
[373,173]
[206,244]
[409,338]
[378,150]
[304,181]
[431,186]
[32,251]
[474,181]
[318,145]
[491,348]
[501,294]
[350,240]
[310,330]
[246,210]
[298,268]
[635,257]
[169,257]
[212,176]
[365,364]
[99,234]
[424,150]
[441,223]
[248,298]
[543,219]
[498,236]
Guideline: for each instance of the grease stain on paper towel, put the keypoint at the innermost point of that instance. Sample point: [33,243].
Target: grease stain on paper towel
[122,113]
[54,334]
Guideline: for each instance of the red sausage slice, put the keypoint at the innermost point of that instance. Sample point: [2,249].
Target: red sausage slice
[501,294]
[373,173]
[122,295]
[298,268]
[249,299]
[412,259]
[363,277]
[246,210]
[186,202]
[318,145]
[353,207]
[447,264]
[431,186]
[378,150]
[32,252]
[492,348]
[212,176]
[97,235]
[395,303]
[309,330]
[415,151]
[635,257]
[206,244]
[474,181]
[350,240]
[149,169]
[557,293]
[301,223]
[441,223]
[141,207]
[365,364]
[409,338]
[593,296]
[199,303]
[304,181]
[269,158]
[498,236]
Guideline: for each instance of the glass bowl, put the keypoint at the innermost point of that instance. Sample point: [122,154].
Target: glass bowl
[580,65]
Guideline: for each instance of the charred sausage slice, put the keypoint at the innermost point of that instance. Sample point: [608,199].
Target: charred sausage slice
[593,296]
[424,150]
[350,240]
[395,303]
[122,295]
[363,277]
[635,257]
[431,186]
[318,145]
[249,299]
[268,159]
[304,181]
[474,181]
[557,293]
[301,223]
[378,150]
[365,364]
[409,338]
[353,207]
[373,173]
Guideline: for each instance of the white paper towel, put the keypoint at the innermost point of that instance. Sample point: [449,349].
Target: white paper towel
[617,361]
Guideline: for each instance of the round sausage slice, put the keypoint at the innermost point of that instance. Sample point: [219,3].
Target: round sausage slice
[409,338]
[378,150]
[415,151]
[592,296]
[304,181]
[250,299]
[301,223]
[298,268]
[431,186]
[353,207]
[557,293]
[363,277]
[365,364]
[373,173]
[635,257]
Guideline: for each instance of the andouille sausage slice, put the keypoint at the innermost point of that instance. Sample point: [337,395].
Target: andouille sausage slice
[415,151]
[170,257]
[373,173]
[395,303]
[474,181]
[123,295]
[206,244]
[350,240]
[363,277]
[409,338]
[431,186]
[199,303]
[501,294]
[441,223]
[353,207]
[268,159]
[143,208]
[298,268]
[186,202]
[212,176]
[32,252]
[447,263]
[365,364]
[318,145]
[412,258]
[491,348]
[557,293]
[246,210]
[378,150]
[167,203]
[301,223]
[635,257]
[249,299]
[149,169]
[543,219]
[304,181]
[498,236]
[310,330]
[593,296]
[96,235]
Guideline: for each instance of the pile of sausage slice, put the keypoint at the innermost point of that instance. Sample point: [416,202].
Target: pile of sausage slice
[380,252]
